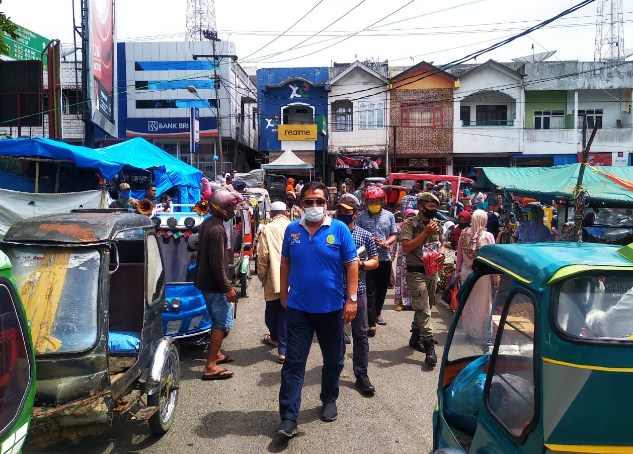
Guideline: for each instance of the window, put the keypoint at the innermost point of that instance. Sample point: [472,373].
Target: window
[549,119]
[182,84]
[70,102]
[16,369]
[592,116]
[423,116]
[173,65]
[510,397]
[371,115]
[491,115]
[297,114]
[255,118]
[464,115]
[175,103]
[596,307]
[343,116]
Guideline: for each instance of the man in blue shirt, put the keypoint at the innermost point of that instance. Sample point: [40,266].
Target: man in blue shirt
[316,251]
[346,211]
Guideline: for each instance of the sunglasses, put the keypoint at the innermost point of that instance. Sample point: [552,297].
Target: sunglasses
[313,202]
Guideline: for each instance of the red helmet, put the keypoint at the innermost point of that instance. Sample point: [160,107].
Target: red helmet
[375,193]
[223,201]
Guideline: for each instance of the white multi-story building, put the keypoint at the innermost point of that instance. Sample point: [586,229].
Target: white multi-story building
[358,100]
[160,82]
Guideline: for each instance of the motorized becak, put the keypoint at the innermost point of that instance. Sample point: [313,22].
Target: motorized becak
[93,285]
[539,355]
[185,316]
[17,364]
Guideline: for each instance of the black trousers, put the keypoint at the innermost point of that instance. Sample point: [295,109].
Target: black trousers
[377,284]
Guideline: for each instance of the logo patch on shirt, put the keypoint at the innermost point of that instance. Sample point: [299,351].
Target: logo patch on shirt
[330,239]
[295,238]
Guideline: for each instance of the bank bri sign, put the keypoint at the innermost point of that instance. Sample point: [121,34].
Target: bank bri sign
[168,127]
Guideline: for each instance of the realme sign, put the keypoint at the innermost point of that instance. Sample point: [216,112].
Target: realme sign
[297,132]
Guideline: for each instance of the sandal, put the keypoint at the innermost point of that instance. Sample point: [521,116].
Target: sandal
[281,359]
[226,359]
[371,332]
[380,321]
[398,308]
[267,340]
[222,374]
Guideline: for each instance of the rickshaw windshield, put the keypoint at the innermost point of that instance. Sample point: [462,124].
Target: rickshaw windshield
[59,289]
[179,259]
[596,307]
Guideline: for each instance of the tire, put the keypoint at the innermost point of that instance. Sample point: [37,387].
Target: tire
[166,397]
[243,284]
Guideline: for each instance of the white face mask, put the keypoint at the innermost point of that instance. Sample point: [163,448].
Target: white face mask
[314,214]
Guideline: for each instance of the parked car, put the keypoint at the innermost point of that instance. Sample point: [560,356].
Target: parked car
[539,354]
[17,364]
[93,285]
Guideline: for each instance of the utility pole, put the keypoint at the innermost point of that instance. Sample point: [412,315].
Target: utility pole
[216,85]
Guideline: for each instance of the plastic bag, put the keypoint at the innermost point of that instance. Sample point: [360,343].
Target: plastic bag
[454,303]
[430,254]
[464,396]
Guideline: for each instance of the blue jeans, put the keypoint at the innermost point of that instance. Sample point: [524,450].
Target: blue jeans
[301,328]
[275,319]
[360,355]
[219,309]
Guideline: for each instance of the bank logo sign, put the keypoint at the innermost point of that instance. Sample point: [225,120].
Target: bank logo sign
[169,127]
[152,126]
[297,132]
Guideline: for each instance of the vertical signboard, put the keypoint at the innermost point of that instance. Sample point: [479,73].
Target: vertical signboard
[194,130]
[101,78]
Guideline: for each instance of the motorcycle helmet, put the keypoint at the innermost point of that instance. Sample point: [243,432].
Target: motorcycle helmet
[374,193]
[223,201]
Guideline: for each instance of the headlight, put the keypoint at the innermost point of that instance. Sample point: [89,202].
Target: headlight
[156,220]
[190,222]
[172,222]
[175,304]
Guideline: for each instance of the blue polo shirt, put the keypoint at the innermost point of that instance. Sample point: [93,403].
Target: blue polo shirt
[317,265]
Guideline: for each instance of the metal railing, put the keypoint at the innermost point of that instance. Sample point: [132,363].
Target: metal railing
[487,122]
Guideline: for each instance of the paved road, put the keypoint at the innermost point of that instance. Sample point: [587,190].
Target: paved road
[240,414]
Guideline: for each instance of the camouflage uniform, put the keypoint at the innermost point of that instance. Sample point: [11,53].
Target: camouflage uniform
[422,287]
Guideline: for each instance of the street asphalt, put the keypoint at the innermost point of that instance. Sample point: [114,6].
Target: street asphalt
[240,415]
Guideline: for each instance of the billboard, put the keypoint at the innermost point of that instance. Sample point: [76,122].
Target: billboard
[28,46]
[101,78]
[21,93]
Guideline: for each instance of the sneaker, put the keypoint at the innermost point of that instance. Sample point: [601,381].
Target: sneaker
[328,412]
[364,385]
[346,337]
[287,428]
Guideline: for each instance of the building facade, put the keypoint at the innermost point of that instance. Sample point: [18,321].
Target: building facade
[421,120]
[293,106]
[358,99]
[160,82]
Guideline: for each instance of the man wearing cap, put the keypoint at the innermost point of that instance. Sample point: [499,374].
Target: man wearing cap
[346,211]
[416,232]
[125,199]
[268,264]
[294,212]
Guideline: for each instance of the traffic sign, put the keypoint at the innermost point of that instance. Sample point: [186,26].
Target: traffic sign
[28,46]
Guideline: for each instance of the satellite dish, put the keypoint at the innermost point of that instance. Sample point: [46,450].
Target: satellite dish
[535,58]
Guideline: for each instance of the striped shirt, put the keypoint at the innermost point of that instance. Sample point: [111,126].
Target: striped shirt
[362,238]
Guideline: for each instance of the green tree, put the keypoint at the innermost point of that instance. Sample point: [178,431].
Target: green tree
[8,27]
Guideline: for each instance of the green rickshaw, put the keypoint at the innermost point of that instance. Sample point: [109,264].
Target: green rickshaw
[17,364]
[539,356]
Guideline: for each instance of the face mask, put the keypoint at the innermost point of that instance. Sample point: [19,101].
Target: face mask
[290,203]
[463,225]
[430,213]
[345,218]
[374,209]
[125,195]
[314,214]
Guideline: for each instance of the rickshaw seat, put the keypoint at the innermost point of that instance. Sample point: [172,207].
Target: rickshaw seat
[127,298]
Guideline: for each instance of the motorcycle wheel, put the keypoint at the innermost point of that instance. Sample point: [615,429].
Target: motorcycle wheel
[166,397]
[243,284]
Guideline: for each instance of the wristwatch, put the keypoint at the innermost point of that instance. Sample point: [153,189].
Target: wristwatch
[353,298]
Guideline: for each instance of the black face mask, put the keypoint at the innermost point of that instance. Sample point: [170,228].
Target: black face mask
[345,218]
[430,213]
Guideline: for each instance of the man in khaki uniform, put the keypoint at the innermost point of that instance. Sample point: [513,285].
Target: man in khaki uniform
[416,232]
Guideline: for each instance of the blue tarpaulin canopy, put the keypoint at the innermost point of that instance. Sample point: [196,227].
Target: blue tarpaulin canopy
[138,153]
